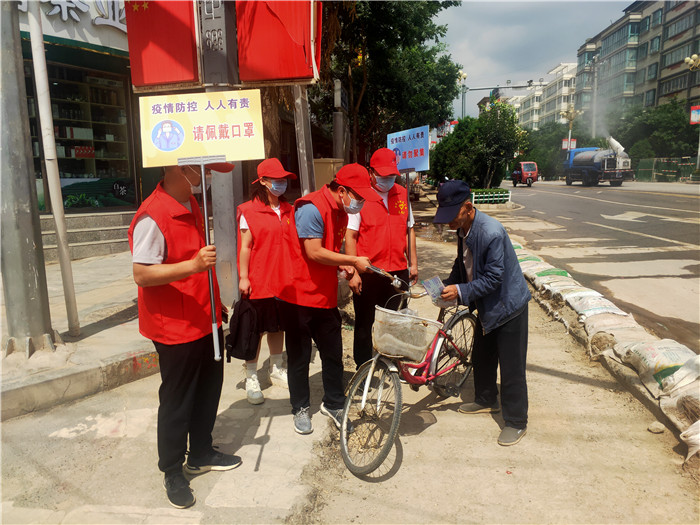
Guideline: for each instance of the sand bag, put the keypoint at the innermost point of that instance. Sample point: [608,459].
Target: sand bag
[588,306]
[654,361]
[691,437]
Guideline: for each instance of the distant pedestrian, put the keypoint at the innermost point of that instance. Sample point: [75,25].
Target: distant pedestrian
[486,275]
[381,231]
[265,265]
[170,263]
[310,310]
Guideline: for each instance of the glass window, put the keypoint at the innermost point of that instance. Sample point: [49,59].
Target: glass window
[650,97]
[679,26]
[656,17]
[641,76]
[652,71]
[655,45]
[644,25]
[674,85]
[642,51]
[677,55]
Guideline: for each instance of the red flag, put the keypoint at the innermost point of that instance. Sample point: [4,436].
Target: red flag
[162,42]
[274,39]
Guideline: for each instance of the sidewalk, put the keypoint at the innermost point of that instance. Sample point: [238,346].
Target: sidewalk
[108,353]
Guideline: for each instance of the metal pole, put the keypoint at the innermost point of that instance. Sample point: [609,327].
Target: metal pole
[568,144]
[302,125]
[28,326]
[43,98]
[214,327]
[697,163]
[463,93]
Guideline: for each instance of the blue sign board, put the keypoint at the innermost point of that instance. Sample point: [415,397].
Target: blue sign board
[411,148]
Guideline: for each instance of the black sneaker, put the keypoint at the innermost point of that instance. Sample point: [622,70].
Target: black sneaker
[215,461]
[178,490]
[336,416]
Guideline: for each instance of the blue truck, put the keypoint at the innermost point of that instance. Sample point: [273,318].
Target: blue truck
[590,166]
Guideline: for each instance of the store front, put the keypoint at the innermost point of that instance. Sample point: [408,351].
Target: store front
[92,105]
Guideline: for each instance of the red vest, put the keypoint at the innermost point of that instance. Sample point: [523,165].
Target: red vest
[382,233]
[316,284]
[271,266]
[178,312]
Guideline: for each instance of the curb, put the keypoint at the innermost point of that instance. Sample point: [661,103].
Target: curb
[597,346]
[58,386]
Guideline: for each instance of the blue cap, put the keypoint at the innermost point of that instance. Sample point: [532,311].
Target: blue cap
[450,197]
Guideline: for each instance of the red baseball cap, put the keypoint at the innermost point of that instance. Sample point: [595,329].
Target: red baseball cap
[221,167]
[383,161]
[356,178]
[272,169]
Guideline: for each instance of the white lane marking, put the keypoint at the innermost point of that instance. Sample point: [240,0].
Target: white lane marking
[687,245]
[622,203]
[635,216]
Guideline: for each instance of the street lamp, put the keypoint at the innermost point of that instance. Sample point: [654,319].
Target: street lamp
[570,114]
[462,77]
[693,62]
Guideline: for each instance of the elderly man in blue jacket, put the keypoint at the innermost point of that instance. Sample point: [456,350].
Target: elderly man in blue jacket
[487,277]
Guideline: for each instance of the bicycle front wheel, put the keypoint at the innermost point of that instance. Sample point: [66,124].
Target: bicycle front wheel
[456,352]
[370,422]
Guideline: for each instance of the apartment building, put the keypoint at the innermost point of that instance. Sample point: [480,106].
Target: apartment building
[639,60]
[545,101]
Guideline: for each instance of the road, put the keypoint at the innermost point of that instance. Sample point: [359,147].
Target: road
[639,245]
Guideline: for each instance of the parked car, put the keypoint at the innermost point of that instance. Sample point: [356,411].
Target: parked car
[525,173]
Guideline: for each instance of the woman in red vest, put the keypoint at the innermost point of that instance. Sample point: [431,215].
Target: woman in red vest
[266,230]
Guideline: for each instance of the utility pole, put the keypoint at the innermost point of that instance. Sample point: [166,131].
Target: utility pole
[43,100]
[26,297]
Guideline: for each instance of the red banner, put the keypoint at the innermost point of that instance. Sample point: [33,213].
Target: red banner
[274,40]
[162,42]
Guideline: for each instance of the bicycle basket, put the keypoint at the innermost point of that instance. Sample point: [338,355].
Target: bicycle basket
[400,335]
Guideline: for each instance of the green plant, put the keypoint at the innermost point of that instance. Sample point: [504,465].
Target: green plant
[80,201]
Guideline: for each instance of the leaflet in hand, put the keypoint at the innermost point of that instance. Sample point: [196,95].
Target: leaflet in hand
[434,287]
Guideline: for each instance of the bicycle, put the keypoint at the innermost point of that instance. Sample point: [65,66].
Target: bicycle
[421,352]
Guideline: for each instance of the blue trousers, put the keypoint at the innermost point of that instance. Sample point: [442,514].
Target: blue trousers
[505,346]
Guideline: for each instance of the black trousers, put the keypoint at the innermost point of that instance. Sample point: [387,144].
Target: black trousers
[302,324]
[505,346]
[376,291]
[189,399]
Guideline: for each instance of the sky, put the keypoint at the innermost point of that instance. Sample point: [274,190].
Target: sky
[496,41]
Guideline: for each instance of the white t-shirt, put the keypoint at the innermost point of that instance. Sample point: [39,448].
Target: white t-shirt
[149,242]
[243,224]
[354,219]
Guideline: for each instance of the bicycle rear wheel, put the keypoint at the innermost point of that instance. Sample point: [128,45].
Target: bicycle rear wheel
[456,351]
[376,422]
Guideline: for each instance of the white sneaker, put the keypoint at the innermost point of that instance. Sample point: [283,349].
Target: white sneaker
[278,376]
[253,392]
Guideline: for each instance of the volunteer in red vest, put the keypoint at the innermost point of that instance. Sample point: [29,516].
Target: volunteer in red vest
[266,232]
[310,308]
[170,263]
[379,232]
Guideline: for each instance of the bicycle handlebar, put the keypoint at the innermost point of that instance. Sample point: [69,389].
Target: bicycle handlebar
[396,283]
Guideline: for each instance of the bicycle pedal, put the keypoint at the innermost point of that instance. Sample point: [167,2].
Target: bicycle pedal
[415,388]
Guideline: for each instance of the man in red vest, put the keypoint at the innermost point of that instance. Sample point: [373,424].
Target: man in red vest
[380,233]
[310,306]
[170,263]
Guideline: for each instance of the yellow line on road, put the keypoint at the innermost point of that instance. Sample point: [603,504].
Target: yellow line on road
[684,244]
[625,203]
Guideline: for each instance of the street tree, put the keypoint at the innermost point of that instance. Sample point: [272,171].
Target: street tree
[498,138]
[479,150]
[389,57]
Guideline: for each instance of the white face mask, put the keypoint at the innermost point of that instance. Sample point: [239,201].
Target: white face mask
[354,207]
[277,186]
[384,184]
[198,189]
